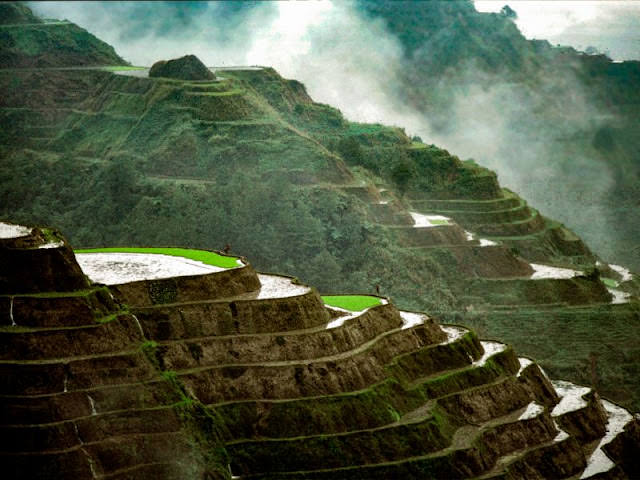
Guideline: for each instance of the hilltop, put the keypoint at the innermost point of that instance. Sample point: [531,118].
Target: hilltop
[188,67]
[189,364]
[250,160]
[17,14]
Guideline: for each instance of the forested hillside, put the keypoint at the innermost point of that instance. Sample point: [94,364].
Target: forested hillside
[251,161]
[29,41]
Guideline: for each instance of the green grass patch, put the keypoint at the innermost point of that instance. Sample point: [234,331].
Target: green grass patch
[609,282]
[225,93]
[210,258]
[354,303]
[438,222]
[108,318]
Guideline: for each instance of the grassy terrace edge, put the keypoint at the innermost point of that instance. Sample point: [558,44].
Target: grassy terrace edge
[204,256]
[354,303]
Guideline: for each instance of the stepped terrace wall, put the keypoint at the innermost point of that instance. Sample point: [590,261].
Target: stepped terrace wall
[228,283]
[292,391]
[493,261]
[378,405]
[60,309]
[48,265]
[291,345]
[235,315]
[470,217]
[572,291]
[505,201]
[78,395]
[325,376]
[429,236]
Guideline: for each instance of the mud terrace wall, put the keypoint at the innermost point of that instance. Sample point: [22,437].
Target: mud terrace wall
[251,375]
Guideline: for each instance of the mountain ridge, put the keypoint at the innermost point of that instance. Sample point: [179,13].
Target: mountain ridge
[565,123]
[27,41]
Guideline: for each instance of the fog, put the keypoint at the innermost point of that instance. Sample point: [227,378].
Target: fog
[354,63]
[324,44]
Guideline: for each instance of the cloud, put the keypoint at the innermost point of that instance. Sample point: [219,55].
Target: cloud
[219,33]
[328,45]
[343,59]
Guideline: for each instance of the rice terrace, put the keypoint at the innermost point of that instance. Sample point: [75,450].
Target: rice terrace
[209,271]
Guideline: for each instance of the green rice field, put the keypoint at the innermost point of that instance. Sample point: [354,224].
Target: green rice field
[210,258]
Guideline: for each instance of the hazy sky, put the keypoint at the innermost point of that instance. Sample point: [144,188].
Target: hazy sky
[611,26]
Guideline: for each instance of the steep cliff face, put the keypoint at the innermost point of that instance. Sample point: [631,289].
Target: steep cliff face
[80,396]
[232,373]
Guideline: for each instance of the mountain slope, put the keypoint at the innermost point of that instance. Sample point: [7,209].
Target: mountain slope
[28,41]
[251,161]
[560,126]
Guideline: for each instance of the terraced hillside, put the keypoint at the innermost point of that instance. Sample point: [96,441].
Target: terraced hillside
[200,371]
[251,161]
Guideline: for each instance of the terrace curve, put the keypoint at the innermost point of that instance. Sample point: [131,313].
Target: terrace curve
[149,276]
[288,384]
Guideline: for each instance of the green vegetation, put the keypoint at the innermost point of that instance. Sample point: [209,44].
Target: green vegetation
[33,43]
[16,14]
[210,258]
[51,235]
[149,345]
[456,60]
[108,318]
[609,282]
[205,426]
[253,162]
[615,346]
[438,222]
[354,303]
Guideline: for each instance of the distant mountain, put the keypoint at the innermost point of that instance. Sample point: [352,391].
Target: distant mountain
[28,41]
[561,126]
